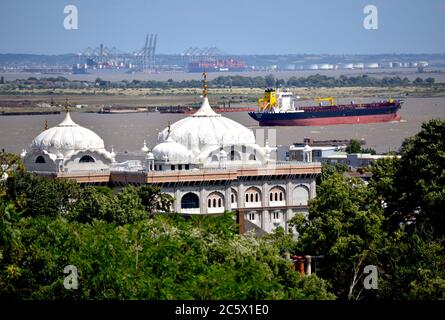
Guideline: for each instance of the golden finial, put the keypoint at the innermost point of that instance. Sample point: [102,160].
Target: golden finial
[204,75]
[67,105]
[46,124]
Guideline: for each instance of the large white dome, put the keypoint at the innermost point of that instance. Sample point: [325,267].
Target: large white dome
[67,136]
[206,128]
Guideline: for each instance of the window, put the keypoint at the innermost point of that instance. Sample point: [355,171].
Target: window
[247,198]
[271,197]
[251,197]
[160,167]
[257,197]
[85,159]
[214,203]
[281,196]
[180,167]
[251,216]
[190,201]
[173,167]
[187,167]
[40,159]
[219,203]
[209,203]
[275,215]
[276,196]
[232,197]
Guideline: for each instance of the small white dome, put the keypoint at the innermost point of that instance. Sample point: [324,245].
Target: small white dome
[67,136]
[205,128]
[171,151]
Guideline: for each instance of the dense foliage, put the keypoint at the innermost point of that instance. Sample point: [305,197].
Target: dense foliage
[316,80]
[123,250]
[396,222]
[128,245]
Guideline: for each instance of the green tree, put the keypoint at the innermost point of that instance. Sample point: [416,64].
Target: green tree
[413,188]
[327,170]
[354,146]
[154,200]
[343,225]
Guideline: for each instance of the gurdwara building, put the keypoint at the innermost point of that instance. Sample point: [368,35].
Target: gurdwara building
[207,162]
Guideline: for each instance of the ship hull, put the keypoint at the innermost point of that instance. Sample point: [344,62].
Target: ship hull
[333,116]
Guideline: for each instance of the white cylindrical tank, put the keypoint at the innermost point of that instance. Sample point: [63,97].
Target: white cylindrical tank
[325,66]
[372,65]
[346,66]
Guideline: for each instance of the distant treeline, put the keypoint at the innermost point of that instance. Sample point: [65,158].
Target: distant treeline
[316,80]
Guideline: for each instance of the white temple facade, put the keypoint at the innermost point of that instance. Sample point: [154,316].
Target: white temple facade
[207,162]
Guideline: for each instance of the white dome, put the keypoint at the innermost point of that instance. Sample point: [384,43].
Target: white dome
[205,128]
[171,151]
[67,136]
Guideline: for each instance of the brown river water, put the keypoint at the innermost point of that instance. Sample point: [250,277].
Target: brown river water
[126,132]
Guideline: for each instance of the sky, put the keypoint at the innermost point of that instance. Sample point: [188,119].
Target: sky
[234,26]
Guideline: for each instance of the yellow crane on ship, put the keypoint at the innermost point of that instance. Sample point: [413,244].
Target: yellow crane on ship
[330,99]
[269,100]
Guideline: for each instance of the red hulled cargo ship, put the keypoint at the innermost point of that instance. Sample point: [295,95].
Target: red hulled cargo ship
[277,109]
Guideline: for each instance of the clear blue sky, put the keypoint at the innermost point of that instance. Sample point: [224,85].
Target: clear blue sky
[234,26]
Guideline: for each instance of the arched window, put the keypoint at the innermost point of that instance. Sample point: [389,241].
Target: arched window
[214,203]
[219,203]
[209,203]
[251,197]
[276,194]
[40,159]
[214,158]
[301,195]
[190,201]
[86,159]
[232,197]
[257,197]
[252,157]
[247,198]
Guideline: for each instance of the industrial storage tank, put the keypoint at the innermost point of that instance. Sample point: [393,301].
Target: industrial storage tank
[373,65]
[325,66]
[346,66]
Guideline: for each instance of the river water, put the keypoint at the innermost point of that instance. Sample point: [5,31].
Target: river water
[126,132]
